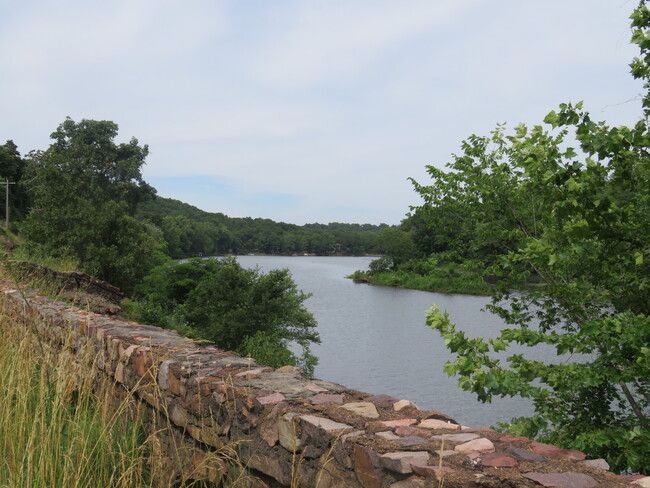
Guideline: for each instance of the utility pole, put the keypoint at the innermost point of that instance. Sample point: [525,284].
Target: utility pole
[7,183]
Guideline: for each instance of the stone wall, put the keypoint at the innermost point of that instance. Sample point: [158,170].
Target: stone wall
[287,430]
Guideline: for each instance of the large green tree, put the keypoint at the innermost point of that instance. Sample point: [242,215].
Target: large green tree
[83,190]
[567,233]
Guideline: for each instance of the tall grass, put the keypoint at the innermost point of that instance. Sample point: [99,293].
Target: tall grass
[55,432]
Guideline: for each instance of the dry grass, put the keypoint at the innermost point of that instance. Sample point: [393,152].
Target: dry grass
[63,426]
[55,432]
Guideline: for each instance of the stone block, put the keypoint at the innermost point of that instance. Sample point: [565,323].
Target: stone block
[524,454]
[562,480]
[477,445]
[498,460]
[288,432]
[389,424]
[321,398]
[363,409]
[366,467]
[428,471]
[596,463]
[402,404]
[456,438]
[400,462]
[437,424]
[318,433]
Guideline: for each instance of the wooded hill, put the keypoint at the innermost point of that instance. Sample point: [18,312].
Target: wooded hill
[190,231]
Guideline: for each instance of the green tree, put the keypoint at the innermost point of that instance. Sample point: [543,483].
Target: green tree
[236,308]
[12,166]
[577,222]
[396,245]
[83,192]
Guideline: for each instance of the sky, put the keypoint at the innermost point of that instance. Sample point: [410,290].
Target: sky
[307,111]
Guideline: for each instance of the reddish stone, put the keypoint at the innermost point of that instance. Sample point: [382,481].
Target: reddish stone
[437,472]
[326,398]
[250,374]
[269,399]
[524,454]
[510,438]
[478,445]
[381,399]
[554,451]
[412,440]
[366,467]
[596,463]
[390,424]
[438,424]
[541,448]
[407,431]
[400,462]
[498,460]
[563,480]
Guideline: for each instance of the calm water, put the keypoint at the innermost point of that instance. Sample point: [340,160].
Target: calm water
[374,338]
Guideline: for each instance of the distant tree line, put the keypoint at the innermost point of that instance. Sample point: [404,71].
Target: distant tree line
[190,231]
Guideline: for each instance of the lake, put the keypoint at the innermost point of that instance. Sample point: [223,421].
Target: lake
[374,338]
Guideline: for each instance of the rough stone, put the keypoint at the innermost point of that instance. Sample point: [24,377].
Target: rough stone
[428,471]
[642,482]
[363,409]
[510,439]
[279,469]
[524,454]
[288,432]
[554,451]
[390,424]
[339,451]
[456,438]
[498,460]
[366,467]
[562,480]
[400,462]
[321,398]
[269,399]
[381,399]
[402,404]
[595,463]
[411,440]
[387,434]
[437,424]
[406,431]
[409,483]
[477,445]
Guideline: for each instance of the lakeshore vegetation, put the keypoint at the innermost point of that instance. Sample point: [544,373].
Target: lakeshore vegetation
[551,220]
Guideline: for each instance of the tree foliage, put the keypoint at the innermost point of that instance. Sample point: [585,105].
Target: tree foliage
[192,232]
[12,166]
[566,231]
[236,308]
[83,191]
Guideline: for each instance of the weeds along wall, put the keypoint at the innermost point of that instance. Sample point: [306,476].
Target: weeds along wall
[221,418]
